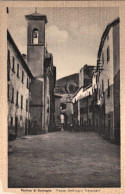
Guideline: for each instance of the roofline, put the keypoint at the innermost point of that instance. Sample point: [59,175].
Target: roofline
[58,96]
[9,37]
[81,88]
[105,33]
[87,87]
[77,91]
[86,65]
[36,17]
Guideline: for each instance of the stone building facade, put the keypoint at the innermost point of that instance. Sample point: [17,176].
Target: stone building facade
[108,82]
[57,109]
[19,79]
[99,103]
[50,81]
[83,105]
[85,76]
[81,99]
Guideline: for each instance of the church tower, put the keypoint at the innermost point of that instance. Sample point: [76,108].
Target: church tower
[36,43]
[35,61]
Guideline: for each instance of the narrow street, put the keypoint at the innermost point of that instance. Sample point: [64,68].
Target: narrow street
[63,159]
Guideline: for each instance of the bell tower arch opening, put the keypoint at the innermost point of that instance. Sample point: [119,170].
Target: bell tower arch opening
[35,36]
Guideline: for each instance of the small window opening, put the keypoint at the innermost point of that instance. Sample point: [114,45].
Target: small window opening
[18,70]
[12,95]
[108,54]
[35,36]
[108,93]
[17,94]
[26,104]
[22,76]
[27,83]
[13,67]
[21,102]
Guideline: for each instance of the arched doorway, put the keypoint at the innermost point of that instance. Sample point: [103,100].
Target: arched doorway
[63,120]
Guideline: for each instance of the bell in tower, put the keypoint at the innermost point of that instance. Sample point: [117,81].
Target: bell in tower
[35,36]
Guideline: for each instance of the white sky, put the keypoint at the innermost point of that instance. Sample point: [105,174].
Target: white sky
[72,34]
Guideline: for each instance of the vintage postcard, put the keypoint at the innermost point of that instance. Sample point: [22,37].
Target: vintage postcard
[62,97]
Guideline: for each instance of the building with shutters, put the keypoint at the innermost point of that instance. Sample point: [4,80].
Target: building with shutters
[19,79]
[83,105]
[108,82]
[98,104]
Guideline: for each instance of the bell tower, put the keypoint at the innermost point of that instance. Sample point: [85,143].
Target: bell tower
[35,61]
[36,43]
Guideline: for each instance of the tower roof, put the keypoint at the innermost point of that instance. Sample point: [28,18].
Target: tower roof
[36,16]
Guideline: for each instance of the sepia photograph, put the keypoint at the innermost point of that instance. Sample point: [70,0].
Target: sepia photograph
[63,95]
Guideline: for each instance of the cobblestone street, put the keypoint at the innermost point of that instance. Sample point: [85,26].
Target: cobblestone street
[63,159]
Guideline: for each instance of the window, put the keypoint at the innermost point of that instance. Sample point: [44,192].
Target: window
[109,116]
[12,95]
[63,106]
[48,110]
[22,76]
[102,86]
[13,67]
[90,108]
[35,36]
[8,66]
[81,121]
[108,54]
[8,62]
[47,100]
[81,110]
[26,104]
[18,70]
[17,94]
[108,92]
[21,102]
[8,92]
[27,83]
[11,121]
[97,78]
[86,109]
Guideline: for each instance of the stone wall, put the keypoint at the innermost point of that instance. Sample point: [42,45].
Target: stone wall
[18,113]
[36,106]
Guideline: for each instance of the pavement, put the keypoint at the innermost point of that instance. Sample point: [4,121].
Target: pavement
[63,159]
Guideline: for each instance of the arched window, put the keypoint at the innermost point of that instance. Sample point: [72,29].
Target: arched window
[35,36]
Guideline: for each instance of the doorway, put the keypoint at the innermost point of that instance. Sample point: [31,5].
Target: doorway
[16,125]
[26,127]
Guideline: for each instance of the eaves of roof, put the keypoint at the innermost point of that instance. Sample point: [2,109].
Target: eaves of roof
[25,66]
[105,33]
